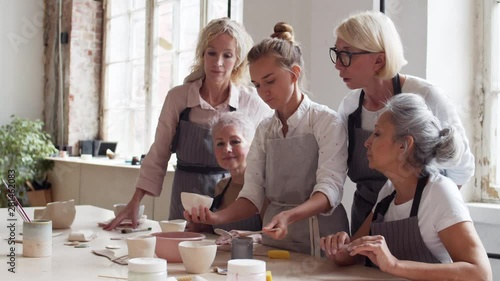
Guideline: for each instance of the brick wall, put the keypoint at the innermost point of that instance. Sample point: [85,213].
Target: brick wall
[83,21]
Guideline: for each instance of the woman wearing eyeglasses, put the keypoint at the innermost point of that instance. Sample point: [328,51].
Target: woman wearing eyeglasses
[368,54]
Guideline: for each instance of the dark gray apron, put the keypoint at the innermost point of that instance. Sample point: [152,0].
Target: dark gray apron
[291,165]
[368,181]
[252,223]
[197,169]
[403,237]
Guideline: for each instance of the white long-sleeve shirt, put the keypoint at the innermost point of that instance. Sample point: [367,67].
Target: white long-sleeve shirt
[331,135]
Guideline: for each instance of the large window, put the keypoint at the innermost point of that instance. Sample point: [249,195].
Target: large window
[490,189]
[149,48]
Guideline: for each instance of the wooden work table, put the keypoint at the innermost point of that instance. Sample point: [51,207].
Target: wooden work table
[69,263]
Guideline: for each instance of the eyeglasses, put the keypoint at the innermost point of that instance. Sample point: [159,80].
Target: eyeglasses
[344,56]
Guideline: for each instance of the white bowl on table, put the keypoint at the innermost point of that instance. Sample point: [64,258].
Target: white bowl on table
[193,200]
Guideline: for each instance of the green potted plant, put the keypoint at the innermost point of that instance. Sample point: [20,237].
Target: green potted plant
[23,148]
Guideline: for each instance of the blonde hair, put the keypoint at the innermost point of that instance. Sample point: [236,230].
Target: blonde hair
[283,47]
[374,32]
[215,28]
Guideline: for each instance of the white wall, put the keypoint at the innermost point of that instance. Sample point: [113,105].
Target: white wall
[21,57]
[451,61]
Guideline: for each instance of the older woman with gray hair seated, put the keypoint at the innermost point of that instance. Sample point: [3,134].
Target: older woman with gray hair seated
[420,228]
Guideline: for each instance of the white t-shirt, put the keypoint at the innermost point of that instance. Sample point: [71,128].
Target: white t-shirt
[331,136]
[441,107]
[441,206]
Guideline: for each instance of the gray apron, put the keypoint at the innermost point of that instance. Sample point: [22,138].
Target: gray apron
[253,223]
[197,169]
[291,165]
[368,181]
[403,237]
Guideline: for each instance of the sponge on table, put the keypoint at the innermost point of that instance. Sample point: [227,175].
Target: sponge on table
[278,254]
[269,277]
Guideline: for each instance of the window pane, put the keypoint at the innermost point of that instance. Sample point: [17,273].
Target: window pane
[189,23]
[138,42]
[118,42]
[166,27]
[126,126]
[185,62]
[139,4]
[138,95]
[494,144]
[118,7]
[217,9]
[164,78]
[117,87]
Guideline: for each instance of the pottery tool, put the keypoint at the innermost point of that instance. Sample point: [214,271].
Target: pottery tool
[17,205]
[131,230]
[113,277]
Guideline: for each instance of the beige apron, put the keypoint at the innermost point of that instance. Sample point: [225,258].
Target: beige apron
[291,165]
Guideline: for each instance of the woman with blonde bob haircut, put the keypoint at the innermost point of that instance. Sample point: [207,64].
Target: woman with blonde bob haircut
[214,87]
[420,228]
[380,36]
[368,54]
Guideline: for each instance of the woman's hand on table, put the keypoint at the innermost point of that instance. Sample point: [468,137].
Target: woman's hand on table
[130,211]
[375,248]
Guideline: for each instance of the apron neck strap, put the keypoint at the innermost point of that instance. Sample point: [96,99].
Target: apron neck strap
[384,204]
[218,199]
[396,84]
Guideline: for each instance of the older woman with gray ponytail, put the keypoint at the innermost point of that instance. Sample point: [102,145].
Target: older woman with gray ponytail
[420,217]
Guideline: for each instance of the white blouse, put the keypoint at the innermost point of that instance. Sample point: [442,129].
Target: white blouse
[331,135]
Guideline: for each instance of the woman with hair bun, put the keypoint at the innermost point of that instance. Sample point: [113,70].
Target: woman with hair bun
[419,218]
[297,159]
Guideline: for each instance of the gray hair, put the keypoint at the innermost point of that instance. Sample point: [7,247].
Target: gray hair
[412,117]
[237,119]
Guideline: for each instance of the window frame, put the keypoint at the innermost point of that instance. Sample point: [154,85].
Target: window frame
[489,158]
[151,64]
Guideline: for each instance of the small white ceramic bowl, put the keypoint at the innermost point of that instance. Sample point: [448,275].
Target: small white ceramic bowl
[194,200]
[197,256]
[119,207]
[167,244]
[173,225]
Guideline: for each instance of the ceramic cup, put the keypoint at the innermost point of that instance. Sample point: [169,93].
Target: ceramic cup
[197,256]
[242,248]
[119,207]
[37,238]
[173,225]
[141,246]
